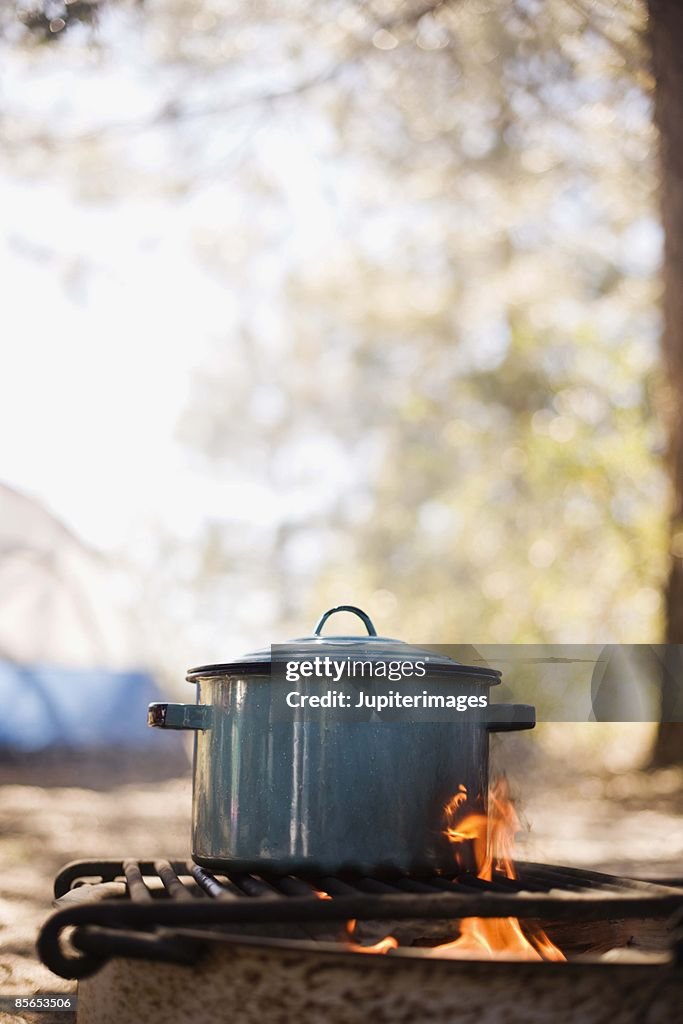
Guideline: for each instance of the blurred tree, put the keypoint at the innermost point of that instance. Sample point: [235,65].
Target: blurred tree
[490,349]
[666,34]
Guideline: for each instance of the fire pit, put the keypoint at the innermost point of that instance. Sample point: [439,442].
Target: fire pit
[172,941]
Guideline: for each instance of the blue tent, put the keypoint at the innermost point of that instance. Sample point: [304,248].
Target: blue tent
[45,705]
[69,650]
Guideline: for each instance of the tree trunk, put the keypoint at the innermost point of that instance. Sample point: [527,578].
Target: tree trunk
[666,40]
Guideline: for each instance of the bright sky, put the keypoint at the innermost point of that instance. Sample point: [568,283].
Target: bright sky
[108,313]
[103,338]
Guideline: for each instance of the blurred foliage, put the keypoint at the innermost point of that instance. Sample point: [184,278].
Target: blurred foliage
[478,347]
[439,223]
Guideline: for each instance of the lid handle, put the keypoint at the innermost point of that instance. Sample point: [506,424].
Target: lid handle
[345,608]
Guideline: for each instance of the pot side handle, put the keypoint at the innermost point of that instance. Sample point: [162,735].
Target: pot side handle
[509,717]
[179,716]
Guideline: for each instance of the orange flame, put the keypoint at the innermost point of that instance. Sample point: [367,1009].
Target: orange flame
[383,946]
[492,840]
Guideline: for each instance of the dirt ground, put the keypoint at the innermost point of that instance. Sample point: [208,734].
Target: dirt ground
[57,809]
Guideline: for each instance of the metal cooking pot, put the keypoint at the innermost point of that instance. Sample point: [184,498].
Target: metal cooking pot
[326,791]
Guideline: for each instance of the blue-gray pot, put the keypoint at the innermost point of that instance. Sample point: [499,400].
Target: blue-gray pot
[321,791]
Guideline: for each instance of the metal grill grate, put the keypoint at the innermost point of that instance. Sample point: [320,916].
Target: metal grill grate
[148,908]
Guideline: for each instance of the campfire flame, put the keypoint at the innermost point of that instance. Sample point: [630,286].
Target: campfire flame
[492,841]
[489,839]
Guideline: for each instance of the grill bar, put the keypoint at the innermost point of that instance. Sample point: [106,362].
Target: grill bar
[337,887]
[293,886]
[589,879]
[206,881]
[255,887]
[139,892]
[174,887]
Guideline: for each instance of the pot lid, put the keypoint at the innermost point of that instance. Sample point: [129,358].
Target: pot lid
[370,647]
